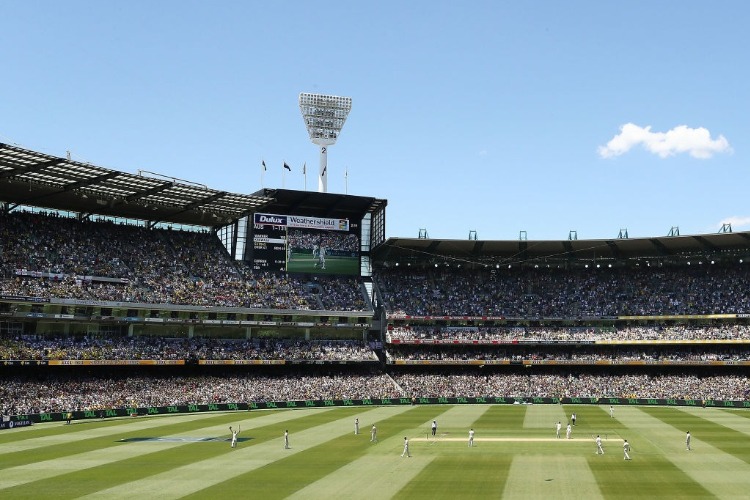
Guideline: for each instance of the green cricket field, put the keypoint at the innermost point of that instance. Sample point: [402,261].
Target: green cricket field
[516,454]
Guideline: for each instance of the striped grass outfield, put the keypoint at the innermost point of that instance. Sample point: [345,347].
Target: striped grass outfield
[516,454]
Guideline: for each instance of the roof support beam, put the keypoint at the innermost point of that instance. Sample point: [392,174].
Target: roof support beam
[18,170]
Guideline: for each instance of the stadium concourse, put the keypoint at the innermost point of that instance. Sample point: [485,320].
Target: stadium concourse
[89,304]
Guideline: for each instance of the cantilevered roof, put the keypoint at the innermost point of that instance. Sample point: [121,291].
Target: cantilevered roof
[41,180]
[424,250]
[315,204]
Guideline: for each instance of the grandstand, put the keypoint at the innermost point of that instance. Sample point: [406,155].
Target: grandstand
[124,292]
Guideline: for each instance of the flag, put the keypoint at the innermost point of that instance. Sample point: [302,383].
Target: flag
[287,167]
[264,165]
[304,168]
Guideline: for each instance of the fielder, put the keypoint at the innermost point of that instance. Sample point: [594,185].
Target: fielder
[286,440]
[599,449]
[406,448]
[374,434]
[356,426]
[234,435]
[626,449]
[471,438]
[568,431]
[558,427]
[687,441]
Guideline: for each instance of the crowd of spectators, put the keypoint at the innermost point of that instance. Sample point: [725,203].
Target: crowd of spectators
[478,384]
[23,395]
[49,256]
[728,331]
[585,355]
[561,293]
[158,348]
[333,241]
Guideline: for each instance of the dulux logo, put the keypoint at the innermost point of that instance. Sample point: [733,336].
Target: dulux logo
[269,219]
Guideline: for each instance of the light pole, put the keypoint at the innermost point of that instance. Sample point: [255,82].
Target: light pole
[324,117]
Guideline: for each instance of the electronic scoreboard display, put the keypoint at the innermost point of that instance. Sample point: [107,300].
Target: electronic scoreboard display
[302,244]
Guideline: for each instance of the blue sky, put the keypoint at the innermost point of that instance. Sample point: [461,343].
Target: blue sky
[489,116]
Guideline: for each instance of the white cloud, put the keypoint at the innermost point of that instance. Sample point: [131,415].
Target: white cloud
[736,221]
[681,139]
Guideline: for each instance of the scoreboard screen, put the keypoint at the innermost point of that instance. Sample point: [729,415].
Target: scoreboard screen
[301,244]
[269,245]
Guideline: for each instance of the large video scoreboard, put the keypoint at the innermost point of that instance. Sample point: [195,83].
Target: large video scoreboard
[301,244]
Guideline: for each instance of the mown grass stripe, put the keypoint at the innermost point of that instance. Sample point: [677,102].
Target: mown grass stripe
[550,476]
[60,433]
[477,475]
[294,472]
[544,417]
[739,422]
[591,420]
[191,477]
[707,429]
[453,421]
[385,476]
[498,418]
[661,447]
[50,465]
[348,482]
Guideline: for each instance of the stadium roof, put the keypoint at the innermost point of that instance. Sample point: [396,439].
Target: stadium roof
[421,250]
[41,180]
[315,204]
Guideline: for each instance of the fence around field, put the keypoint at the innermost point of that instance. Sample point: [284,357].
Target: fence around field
[321,403]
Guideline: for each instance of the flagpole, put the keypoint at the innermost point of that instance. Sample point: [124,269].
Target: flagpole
[304,174]
[346,180]
[262,173]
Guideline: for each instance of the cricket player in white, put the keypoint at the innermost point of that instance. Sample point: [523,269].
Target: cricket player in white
[322,257]
[434,427]
[611,411]
[406,448]
[558,427]
[374,434]
[471,437]
[568,430]
[599,449]
[356,426]
[286,440]
[234,435]
[626,449]
[687,441]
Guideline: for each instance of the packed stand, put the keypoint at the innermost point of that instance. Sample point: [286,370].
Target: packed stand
[477,384]
[158,348]
[567,334]
[49,256]
[551,293]
[650,355]
[22,395]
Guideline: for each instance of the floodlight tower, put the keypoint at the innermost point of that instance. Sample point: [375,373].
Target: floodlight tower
[324,117]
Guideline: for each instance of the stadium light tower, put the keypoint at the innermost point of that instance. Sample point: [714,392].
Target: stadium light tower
[324,117]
